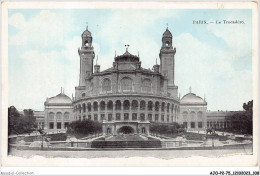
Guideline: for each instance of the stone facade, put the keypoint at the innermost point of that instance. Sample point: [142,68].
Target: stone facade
[193,112]
[58,112]
[127,96]
[126,92]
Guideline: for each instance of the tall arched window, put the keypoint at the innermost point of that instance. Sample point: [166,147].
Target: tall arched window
[106,85]
[84,107]
[147,85]
[59,115]
[110,105]
[51,116]
[142,105]
[185,115]
[126,105]
[89,107]
[134,105]
[102,105]
[66,115]
[163,107]
[95,106]
[192,115]
[79,108]
[200,115]
[150,106]
[168,107]
[118,105]
[157,106]
[126,84]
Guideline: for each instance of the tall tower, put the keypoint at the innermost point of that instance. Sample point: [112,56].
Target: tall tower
[167,57]
[87,55]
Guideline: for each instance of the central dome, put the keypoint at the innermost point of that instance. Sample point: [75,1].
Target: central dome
[60,99]
[127,57]
[192,98]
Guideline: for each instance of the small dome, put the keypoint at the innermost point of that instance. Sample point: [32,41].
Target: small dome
[86,33]
[167,33]
[192,98]
[127,57]
[60,99]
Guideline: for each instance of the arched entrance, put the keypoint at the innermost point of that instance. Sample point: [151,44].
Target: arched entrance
[126,130]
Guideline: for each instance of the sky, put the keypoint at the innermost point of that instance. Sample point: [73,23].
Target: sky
[215,60]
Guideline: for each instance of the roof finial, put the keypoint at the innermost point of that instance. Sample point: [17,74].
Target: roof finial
[127,46]
[138,53]
[87,26]
[204,97]
[96,59]
[156,60]
[115,53]
[166,25]
[190,89]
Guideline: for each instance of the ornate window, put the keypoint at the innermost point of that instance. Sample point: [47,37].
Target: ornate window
[95,117]
[67,115]
[134,116]
[79,108]
[95,106]
[51,116]
[150,106]
[147,85]
[199,115]
[110,105]
[163,107]
[126,116]
[89,107]
[168,107]
[156,117]
[118,105]
[59,125]
[109,117]
[185,115]
[102,105]
[199,124]
[142,105]
[126,105]
[134,105]
[51,125]
[150,117]
[142,117]
[59,115]
[84,107]
[106,85]
[126,84]
[157,106]
[162,118]
[118,116]
[192,115]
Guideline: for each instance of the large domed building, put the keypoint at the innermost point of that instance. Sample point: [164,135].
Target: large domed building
[193,112]
[126,97]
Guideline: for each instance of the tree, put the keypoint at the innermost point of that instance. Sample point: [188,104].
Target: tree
[84,127]
[19,123]
[242,122]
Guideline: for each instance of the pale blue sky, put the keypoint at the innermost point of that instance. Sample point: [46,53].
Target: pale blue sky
[214,60]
